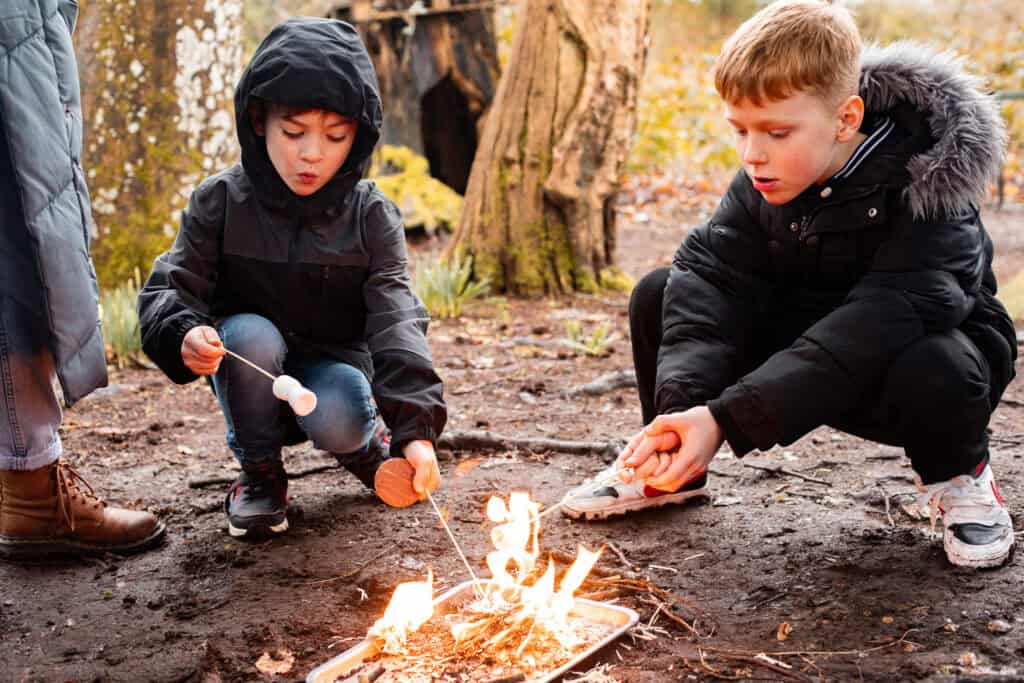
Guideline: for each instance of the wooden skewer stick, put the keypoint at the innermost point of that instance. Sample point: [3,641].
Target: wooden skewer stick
[248,362]
[286,388]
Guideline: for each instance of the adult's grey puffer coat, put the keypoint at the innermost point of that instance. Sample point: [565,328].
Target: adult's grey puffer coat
[782,318]
[329,270]
[45,219]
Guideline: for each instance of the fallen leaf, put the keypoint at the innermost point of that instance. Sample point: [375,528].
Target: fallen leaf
[887,619]
[270,666]
[466,466]
[783,631]
[968,659]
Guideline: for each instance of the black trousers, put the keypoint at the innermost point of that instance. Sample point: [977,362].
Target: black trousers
[935,402]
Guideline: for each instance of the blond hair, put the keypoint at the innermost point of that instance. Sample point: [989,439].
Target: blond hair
[788,47]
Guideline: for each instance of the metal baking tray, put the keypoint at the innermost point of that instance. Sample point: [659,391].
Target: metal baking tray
[621,618]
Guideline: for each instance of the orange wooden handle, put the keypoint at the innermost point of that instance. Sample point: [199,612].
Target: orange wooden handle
[393,483]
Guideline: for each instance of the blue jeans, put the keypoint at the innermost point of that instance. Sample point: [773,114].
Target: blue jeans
[258,423]
[29,409]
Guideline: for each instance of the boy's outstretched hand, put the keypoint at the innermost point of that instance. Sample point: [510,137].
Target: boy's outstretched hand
[421,456]
[202,349]
[674,448]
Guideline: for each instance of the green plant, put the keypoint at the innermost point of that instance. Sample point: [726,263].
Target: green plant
[121,321]
[445,285]
[597,344]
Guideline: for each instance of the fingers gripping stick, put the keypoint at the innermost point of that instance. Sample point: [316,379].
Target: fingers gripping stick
[286,388]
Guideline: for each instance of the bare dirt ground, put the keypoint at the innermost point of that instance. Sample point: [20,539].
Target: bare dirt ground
[864,589]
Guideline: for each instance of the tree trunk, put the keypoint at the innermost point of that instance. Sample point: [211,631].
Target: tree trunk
[437,77]
[157,85]
[538,215]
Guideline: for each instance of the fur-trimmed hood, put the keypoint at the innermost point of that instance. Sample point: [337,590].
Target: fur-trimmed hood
[970,138]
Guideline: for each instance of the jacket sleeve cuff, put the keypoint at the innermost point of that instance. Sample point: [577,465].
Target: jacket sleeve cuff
[738,441]
[399,441]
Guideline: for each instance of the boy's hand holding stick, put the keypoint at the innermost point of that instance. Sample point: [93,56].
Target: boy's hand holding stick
[202,351]
[673,449]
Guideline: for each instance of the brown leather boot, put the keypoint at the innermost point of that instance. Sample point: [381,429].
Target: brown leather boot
[54,511]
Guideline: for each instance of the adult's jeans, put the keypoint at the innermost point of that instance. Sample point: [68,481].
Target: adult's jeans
[935,401]
[259,424]
[30,411]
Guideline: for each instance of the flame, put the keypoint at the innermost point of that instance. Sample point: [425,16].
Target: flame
[411,606]
[511,606]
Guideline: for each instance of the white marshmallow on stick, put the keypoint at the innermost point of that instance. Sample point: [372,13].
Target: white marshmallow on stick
[286,388]
[301,399]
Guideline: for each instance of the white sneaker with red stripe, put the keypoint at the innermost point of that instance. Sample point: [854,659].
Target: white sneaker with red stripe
[605,495]
[978,530]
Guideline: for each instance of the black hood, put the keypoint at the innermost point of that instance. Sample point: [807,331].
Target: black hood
[316,63]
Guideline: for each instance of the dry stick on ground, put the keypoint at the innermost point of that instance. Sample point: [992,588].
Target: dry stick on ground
[754,660]
[354,572]
[488,441]
[604,384]
[780,471]
[469,441]
[218,481]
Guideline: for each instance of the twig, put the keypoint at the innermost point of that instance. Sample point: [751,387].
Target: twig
[623,379]
[487,441]
[355,572]
[779,470]
[819,653]
[621,555]
[760,659]
[219,481]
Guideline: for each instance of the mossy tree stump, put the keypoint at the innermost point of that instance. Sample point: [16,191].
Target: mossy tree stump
[538,216]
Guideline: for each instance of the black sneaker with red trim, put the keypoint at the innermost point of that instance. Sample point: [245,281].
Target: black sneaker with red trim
[604,495]
[257,502]
[364,463]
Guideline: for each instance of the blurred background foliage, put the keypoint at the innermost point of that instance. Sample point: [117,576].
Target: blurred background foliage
[683,147]
[680,127]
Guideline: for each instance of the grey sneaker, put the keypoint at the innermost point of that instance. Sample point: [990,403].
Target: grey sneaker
[978,531]
[604,496]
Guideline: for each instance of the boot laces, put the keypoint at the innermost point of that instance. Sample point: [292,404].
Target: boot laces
[69,484]
[962,491]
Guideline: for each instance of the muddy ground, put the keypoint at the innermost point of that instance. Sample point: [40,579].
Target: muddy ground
[866,594]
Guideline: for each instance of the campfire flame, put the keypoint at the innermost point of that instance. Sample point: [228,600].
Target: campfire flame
[411,606]
[509,608]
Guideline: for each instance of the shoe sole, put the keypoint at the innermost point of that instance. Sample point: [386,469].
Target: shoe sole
[257,529]
[635,505]
[28,550]
[978,561]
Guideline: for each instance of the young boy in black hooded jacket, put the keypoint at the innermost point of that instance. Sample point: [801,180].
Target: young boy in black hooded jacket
[845,279]
[292,261]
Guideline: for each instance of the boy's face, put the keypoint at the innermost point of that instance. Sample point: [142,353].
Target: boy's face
[307,148]
[786,145]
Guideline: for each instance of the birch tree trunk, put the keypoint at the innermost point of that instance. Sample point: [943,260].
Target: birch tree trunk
[157,85]
[538,214]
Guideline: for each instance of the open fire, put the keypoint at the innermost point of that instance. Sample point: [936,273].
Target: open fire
[515,618]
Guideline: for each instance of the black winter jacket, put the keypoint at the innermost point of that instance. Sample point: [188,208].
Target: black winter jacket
[329,270]
[783,318]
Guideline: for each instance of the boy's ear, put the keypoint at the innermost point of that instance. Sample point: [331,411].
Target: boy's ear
[258,120]
[851,115]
